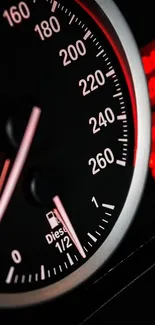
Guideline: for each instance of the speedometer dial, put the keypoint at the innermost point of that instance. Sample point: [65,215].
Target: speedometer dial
[75,138]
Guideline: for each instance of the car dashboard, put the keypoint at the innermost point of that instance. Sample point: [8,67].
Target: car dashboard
[124,285]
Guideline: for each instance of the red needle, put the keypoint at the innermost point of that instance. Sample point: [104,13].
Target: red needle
[19,160]
[64,224]
[4,173]
[64,219]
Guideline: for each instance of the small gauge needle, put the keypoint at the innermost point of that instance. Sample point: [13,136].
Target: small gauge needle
[4,173]
[64,219]
[19,160]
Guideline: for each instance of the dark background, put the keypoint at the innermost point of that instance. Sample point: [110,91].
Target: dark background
[124,288]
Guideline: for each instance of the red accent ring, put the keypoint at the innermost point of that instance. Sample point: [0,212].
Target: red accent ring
[123,66]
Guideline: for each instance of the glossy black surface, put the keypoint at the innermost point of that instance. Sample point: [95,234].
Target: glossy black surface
[127,281]
[79,122]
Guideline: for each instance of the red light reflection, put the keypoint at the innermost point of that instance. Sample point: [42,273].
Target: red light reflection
[152,156]
[148,60]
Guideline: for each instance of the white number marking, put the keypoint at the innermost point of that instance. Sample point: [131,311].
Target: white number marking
[101,161]
[46,28]
[73,52]
[101,120]
[16,256]
[64,244]
[95,202]
[16,14]
[92,82]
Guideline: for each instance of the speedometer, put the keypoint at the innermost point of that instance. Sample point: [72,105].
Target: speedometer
[74,145]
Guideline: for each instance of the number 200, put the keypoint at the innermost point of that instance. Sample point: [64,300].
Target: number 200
[73,52]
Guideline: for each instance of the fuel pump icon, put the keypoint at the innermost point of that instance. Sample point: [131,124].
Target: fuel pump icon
[53,221]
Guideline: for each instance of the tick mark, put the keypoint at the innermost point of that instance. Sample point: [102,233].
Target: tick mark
[92,237]
[70,259]
[10,274]
[117,95]
[98,54]
[42,272]
[71,20]
[87,35]
[121,163]
[110,73]
[54,5]
[121,117]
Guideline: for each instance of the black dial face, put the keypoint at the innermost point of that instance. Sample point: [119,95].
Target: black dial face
[67,125]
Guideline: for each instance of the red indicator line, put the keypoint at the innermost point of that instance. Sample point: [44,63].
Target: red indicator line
[19,160]
[4,173]
[64,219]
